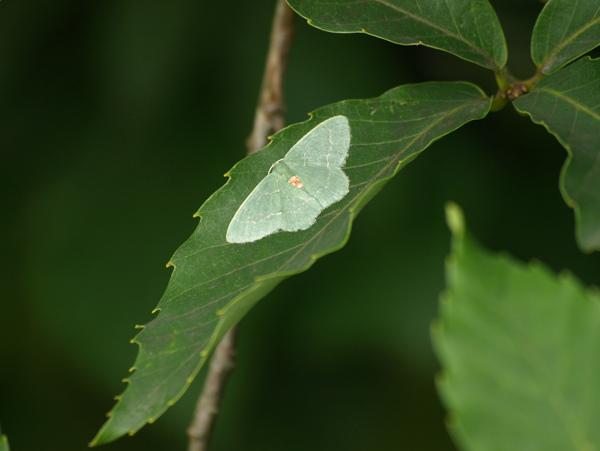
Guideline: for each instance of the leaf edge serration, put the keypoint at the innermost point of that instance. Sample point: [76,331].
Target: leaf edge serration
[233,311]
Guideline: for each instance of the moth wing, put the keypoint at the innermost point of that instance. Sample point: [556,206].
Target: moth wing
[260,214]
[326,145]
[299,209]
[326,184]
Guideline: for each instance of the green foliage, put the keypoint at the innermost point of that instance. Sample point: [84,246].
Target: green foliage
[565,30]
[468,29]
[3,442]
[567,103]
[518,345]
[215,283]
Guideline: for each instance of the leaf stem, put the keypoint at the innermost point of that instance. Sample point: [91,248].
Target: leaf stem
[267,120]
[510,88]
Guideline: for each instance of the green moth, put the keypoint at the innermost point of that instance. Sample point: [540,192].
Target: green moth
[298,187]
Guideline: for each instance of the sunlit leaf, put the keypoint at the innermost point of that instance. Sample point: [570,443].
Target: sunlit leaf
[567,103]
[565,30]
[215,283]
[518,347]
[466,28]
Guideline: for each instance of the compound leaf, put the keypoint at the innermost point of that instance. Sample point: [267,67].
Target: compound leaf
[518,348]
[468,29]
[567,103]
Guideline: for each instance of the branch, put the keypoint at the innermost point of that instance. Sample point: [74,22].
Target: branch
[267,120]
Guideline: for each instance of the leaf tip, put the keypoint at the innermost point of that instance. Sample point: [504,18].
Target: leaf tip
[455,219]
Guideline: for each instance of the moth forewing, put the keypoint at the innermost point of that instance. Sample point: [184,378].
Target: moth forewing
[298,187]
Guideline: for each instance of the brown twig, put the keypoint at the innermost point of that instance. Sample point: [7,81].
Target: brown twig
[222,363]
[268,119]
[269,113]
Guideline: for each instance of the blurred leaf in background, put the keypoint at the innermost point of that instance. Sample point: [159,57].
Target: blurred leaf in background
[119,120]
[517,345]
[4,443]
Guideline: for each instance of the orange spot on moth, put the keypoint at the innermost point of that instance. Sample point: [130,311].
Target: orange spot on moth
[294,180]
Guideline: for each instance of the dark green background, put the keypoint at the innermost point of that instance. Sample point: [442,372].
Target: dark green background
[118,119]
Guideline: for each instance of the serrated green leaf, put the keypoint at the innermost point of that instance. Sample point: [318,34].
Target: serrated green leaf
[518,347]
[215,283]
[4,443]
[565,30]
[468,29]
[567,103]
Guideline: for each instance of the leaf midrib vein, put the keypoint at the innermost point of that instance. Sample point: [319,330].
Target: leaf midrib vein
[576,104]
[302,246]
[540,373]
[395,160]
[433,25]
[374,179]
[478,49]
[563,44]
